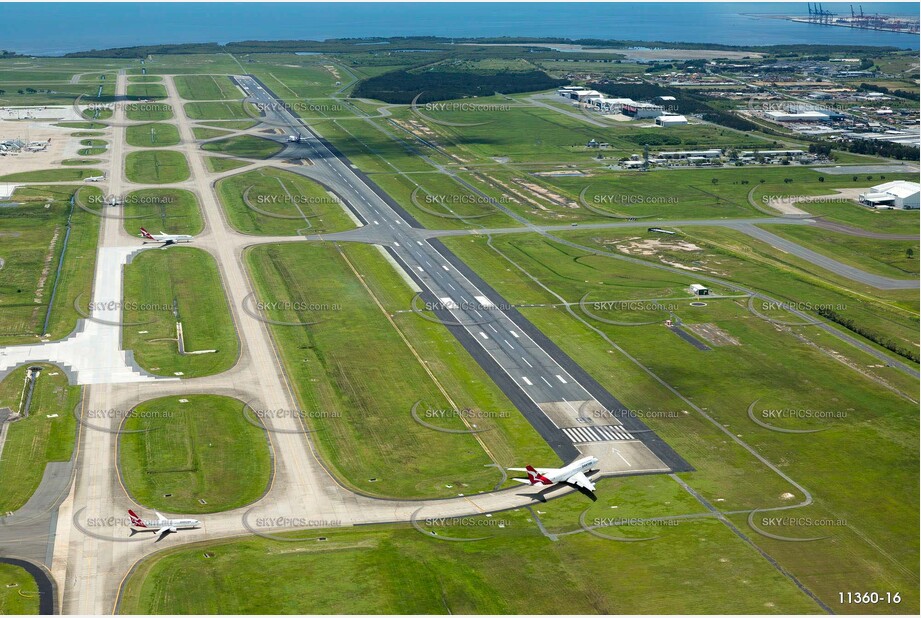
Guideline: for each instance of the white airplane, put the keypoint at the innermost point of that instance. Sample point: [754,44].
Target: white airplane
[297,139]
[572,474]
[161,525]
[94,178]
[166,239]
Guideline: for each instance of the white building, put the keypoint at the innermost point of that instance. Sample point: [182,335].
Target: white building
[669,120]
[713,153]
[802,116]
[699,290]
[642,110]
[900,194]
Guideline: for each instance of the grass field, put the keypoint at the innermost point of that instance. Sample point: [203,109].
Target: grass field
[146,91]
[206,88]
[299,203]
[784,368]
[206,133]
[224,164]
[31,241]
[397,570]
[246,146]
[203,449]
[233,125]
[156,167]
[152,135]
[890,258]
[52,175]
[362,405]
[173,211]
[47,434]
[188,277]
[226,110]
[149,112]
[18,591]
[849,213]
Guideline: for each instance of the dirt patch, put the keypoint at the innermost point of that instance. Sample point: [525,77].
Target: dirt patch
[637,245]
[712,334]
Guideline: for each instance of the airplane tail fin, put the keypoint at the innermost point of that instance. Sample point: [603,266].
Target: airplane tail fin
[135,520]
[535,477]
[146,234]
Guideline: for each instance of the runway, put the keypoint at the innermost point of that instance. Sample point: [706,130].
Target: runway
[547,386]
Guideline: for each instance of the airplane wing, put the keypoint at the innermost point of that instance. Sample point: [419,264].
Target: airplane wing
[162,532]
[580,480]
[160,516]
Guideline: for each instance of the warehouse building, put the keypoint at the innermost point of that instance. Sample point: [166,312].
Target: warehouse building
[642,110]
[898,194]
[671,120]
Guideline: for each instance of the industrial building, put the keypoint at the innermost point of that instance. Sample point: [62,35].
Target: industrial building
[670,120]
[898,194]
[713,153]
[793,152]
[802,116]
[642,110]
[699,290]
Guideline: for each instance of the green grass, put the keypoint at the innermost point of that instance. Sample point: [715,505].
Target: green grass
[81,162]
[146,91]
[152,135]
[883,257]
[144,79]
[784,368]
[81,125]
[246,146]
[174,211]
[32,238]
[849,213]
[53,175]
[188,276]
[206,87]
[283,193]
[200,450]
[224,164]
[206,133]
[227,110]
[34,441]
[397,570]
[156,167]
[148,112]
[233,125]
[18,591]
[362,401]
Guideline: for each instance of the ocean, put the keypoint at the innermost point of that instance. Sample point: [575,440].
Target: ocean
[57,28]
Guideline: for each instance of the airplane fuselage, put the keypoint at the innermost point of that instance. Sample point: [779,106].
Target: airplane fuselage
[178,524]
[580,465]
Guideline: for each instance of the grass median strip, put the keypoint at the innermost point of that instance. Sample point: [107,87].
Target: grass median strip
[178,284]
[193,454]
[156,167]
[44,435]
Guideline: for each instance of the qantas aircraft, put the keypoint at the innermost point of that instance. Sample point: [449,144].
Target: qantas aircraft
[161,525]
[166,239]
[572,474]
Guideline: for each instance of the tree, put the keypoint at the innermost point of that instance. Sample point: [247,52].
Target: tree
[714,180]
[821,178]
[909,253]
